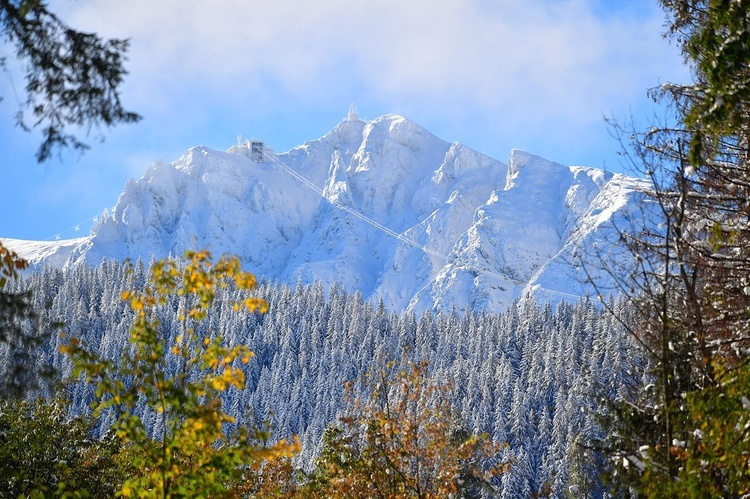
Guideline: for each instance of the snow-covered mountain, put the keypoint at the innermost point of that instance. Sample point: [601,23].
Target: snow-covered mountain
[383,207]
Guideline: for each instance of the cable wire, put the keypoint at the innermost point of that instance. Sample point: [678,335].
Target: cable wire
[401,237]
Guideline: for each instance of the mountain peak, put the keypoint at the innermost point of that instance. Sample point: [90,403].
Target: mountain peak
[353,113]
[530,164]
[382,206]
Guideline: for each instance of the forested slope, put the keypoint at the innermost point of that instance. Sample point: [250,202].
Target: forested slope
[529,377]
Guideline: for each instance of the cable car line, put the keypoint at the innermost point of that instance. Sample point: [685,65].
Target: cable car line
[305,181]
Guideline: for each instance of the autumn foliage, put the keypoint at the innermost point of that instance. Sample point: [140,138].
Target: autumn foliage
[187,450]
[403,442]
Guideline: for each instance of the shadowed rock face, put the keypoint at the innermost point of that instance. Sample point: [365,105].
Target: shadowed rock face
[383,207]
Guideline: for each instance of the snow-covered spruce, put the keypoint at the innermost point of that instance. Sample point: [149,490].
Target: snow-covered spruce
[525,376]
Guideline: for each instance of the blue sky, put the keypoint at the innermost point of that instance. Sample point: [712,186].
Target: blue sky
[537,75]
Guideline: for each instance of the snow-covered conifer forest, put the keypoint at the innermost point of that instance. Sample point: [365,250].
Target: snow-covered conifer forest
[528,377]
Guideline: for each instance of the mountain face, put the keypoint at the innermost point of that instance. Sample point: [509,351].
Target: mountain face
[383,207]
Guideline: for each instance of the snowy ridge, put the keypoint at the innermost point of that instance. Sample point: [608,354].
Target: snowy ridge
[53,253]
[383,207]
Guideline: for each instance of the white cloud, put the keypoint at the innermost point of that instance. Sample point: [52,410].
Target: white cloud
[508,55]
[543,68]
